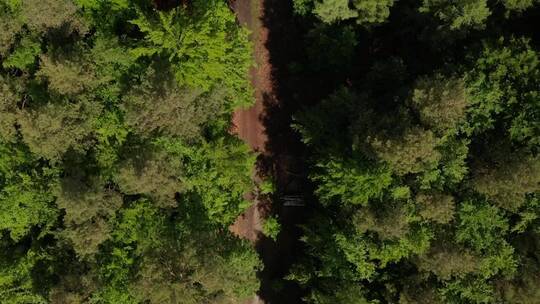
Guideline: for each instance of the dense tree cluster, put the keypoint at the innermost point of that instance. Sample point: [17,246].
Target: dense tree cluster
[424,152]
[118,176]
[363,11]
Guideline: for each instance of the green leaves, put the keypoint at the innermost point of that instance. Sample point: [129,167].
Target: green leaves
[24,55]
[458,15]
[519,5]
[413,152]
[480,225]
[54,128]
[26,201]
[182,111]
[422,136]
[505,79]
[154,256]
[271,227]
[118,176]
[334,10]
[219,173]
[204,46]
[372,12]
[356,253]
[365,12]
[440,101]
[342,181]
[16,278]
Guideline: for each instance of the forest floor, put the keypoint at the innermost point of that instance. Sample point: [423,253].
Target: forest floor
[266,128]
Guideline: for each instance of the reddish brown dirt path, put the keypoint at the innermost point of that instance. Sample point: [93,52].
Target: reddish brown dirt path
[266,127]
[248,123]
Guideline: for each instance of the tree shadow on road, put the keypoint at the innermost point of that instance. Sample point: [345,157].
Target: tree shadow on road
[285,156]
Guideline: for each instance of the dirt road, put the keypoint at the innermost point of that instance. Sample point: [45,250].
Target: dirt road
[248,123]
[266,127]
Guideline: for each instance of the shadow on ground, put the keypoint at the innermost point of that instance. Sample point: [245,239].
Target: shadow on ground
[285,157]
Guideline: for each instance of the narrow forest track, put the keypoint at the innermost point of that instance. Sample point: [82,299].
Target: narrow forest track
[266,128]
[248,123]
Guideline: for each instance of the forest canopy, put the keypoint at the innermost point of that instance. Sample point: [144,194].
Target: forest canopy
[118,176]
[423,149]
